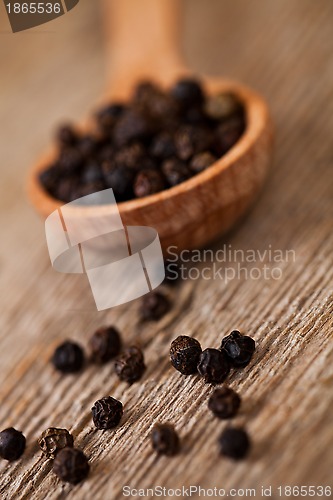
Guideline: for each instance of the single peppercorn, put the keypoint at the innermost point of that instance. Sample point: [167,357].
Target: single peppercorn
[108,116]
[224,402]
[66,135]
[187,92]
[53,440]
[148,182]
[132,125]
[71,465]
[201,161]
[234,443]
[222,106]
[213,365]
[163,146]
[239,348]
[130,365]
[184,354]
[107,413]
[68,357]
[104,344]
[154,305]
[165,440]
[12,444]
[191,140]
[175,171]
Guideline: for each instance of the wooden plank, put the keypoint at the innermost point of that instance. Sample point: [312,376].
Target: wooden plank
[283,49]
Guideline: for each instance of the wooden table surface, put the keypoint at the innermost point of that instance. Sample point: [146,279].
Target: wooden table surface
[284,50]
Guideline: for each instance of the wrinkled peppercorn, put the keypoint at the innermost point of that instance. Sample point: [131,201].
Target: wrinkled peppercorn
[66,136]
[239,348]
[107,413]
[104,344]
[108,116]
[222,106]
[175,171]
[227,134]
[224,402]
[132,125]
[234,443]
[191,140]
[12,444]
[148,182]
[213,366]
[154,305]
[165,440]
[202,161]
[118,178]
[130,365]
[184,354]
[188,92]
[163,146]
[132,156]
[71,465]
[53,440]
[68,357]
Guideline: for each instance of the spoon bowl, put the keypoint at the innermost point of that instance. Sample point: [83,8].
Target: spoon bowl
[199,210]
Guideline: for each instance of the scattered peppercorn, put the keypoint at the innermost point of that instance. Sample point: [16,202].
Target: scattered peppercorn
[234,443]
[165,440]
[184,354]
[105,344]
[154,305]
[177,133]
[130,365]
[213,365]
[68,357]
[107,413]
[239,348]
[53,440]
[224,402]
[12,444]
[71,465]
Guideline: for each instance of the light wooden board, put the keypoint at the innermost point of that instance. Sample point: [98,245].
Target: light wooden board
[285,50]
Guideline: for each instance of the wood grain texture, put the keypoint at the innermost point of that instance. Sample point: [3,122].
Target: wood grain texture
[284,50]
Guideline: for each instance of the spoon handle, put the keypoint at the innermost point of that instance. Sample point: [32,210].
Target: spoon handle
[143,43]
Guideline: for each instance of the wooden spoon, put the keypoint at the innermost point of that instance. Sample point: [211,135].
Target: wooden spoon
[143,38]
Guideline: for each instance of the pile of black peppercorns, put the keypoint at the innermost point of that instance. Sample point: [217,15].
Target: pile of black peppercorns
[214,365]
[155,141]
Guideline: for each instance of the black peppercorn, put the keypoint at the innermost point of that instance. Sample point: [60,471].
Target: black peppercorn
[227,134]
[53,440]
[191,140]
[201,161]
[163,146]
[148,182]
[71,465]
[213,366]
[224,402]
[234,443]
[239,348]
[133,156]
[66,135]
[68,357]
[184,354]
[154,305]
[130,365]
[107,413]
[188,92]
[118,178]
[165,440]
[222,106]
[175,171]
[105,344]
[108,116]
[132,125]
[12,444]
